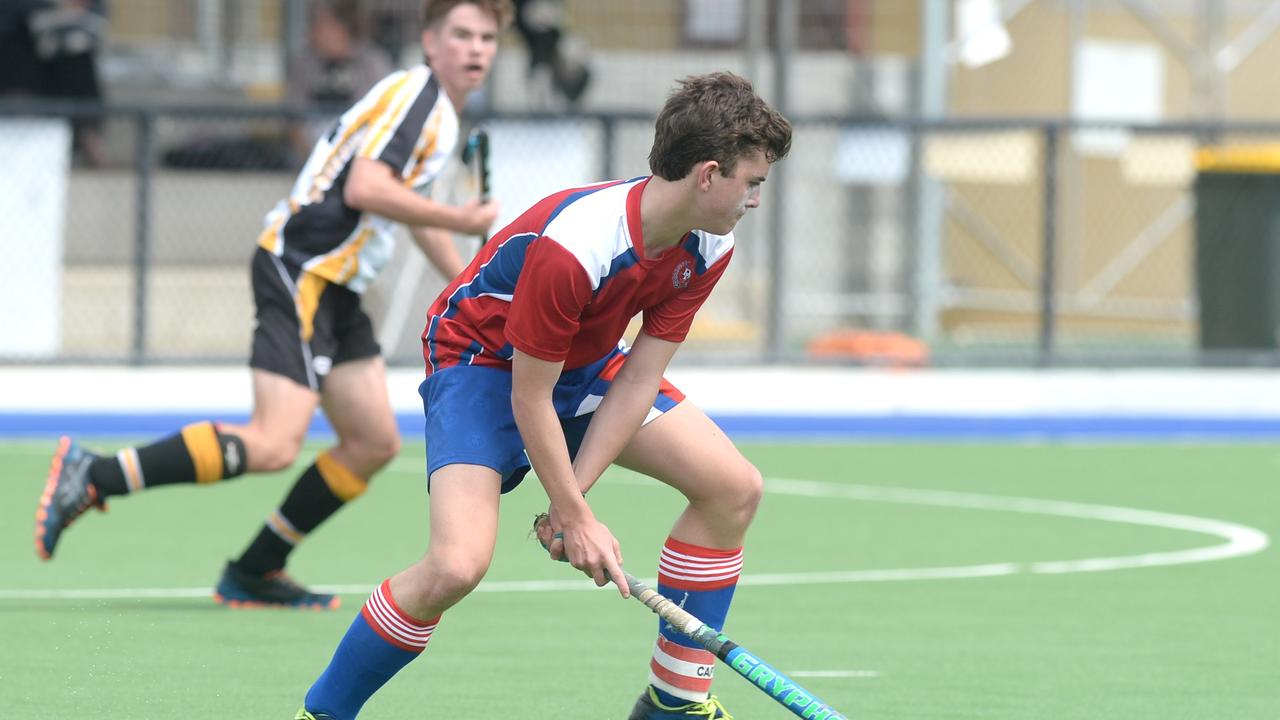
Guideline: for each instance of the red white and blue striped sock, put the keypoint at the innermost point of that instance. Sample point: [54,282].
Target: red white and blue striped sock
[702,581]
[381,641]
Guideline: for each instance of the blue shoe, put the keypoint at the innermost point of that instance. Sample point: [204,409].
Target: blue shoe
[304,715]
[239,589]
[649,707]
[67,495]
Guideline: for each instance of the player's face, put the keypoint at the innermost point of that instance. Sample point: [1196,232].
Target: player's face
[729,198]
[328,36]
[460,48]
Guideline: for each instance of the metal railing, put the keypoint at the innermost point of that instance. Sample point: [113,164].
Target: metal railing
[1043,252]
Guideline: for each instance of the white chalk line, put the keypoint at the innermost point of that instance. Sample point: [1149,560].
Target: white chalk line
[834,673]
[1240,540]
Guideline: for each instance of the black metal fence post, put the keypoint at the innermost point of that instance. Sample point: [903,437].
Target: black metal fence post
[142,250]
[608,132]
[776,309]
[1048,309]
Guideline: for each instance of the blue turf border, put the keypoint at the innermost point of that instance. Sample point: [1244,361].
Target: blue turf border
[795,427]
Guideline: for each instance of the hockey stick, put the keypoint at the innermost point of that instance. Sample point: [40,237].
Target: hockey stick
[477,149]
[764,676]
[480,137]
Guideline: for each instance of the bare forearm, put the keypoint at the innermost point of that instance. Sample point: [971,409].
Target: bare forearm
[397,202]
[548,453]
[580,537]
[438,246]
[373,187]
[533,381]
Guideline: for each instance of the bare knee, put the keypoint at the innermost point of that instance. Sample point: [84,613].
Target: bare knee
[748,489]
[729,504]
[449,578]
[385,448]
[370,453]
[269,451]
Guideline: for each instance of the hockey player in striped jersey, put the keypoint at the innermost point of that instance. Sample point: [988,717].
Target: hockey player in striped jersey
[525,369]
[313,345]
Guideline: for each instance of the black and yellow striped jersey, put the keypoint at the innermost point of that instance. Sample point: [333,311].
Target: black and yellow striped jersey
[405,121]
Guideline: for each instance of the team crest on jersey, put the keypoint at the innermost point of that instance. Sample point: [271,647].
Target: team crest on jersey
[681,276]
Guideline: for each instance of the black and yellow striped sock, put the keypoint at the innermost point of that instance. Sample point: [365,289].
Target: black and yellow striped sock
[197,454]
[319,492]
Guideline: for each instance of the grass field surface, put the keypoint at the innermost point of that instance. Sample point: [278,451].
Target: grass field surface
[893,580]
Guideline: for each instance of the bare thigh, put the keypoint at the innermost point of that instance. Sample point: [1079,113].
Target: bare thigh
[686,450]
[356,403]
[282,412]
[464,531]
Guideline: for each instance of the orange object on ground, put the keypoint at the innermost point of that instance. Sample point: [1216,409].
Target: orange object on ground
[873,347]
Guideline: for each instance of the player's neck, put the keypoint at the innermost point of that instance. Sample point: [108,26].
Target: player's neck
[664,215]
[457,94]
[457,97]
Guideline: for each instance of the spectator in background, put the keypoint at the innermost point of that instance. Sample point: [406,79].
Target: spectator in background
[337,67]
[49,49]
[553,52]
[18,57]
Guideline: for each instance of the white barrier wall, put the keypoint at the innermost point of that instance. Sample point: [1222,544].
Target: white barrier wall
[33,195]
[784,401]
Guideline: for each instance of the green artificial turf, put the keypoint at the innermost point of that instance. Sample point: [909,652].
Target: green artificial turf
[119,625]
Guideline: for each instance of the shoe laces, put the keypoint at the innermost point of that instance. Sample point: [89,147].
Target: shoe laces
[706,708]
[709,708]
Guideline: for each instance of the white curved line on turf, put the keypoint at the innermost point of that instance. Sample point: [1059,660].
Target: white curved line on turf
[1241,540]
[833,673]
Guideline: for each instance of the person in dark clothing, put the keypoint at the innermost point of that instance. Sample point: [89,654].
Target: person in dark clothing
[551,48]
[336,68]
[49,49]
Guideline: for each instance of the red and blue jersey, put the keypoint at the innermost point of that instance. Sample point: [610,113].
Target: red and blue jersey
[562,282]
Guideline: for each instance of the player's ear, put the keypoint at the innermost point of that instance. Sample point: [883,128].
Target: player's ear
[428,44]
[703,172]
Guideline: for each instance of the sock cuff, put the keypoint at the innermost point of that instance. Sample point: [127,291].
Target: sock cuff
[131,468]
[692,567]
[397,627]
[201,441]
[214,454]
[698,550]
[344,484]
[680,671]
[285,529]
[234,460]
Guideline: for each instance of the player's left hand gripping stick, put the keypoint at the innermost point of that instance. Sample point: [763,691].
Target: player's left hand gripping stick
[543,531]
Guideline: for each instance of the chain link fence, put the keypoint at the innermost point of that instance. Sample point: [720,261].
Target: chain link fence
[148,260]
[888,235]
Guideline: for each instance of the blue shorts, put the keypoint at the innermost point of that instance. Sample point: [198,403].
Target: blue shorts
[469,418]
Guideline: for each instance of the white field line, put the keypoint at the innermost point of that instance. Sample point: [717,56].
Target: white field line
[1240,540]
[833,673]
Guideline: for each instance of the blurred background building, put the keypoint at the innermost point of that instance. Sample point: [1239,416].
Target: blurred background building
[972,182]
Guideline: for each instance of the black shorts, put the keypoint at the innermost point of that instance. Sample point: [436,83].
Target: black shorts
[306,324]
